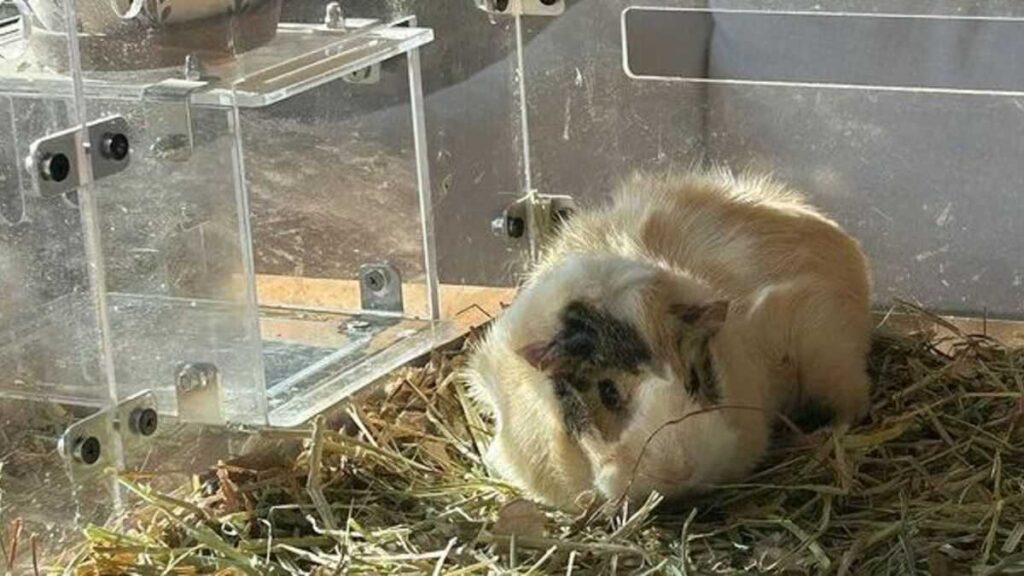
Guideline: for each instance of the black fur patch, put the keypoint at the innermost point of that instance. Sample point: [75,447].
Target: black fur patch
[575,415]
[590,338]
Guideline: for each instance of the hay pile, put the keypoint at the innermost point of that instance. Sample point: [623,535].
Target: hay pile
[933,484]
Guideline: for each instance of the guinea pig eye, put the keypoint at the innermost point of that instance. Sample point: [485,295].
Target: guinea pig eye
[609,394]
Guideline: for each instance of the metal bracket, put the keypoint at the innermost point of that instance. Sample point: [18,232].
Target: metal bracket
[368,75]
[380,287]
[548,212]
[522,7]
[198,387]
[89,445]
[169,115]
[53,160]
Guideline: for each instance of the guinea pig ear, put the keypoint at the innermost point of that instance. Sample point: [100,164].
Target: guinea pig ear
[709,316]
[538,354]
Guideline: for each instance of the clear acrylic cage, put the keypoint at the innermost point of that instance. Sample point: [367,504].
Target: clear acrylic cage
[164,281]
[177,245]
[286,175]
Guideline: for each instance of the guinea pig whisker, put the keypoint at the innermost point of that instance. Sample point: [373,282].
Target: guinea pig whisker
[673,422]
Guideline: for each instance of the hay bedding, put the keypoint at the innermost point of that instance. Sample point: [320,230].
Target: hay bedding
[933,484]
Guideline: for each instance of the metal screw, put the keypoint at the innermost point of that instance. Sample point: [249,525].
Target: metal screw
[144,421]
[55,167]
[549,2]
[115,146]
[88,450]
[508,226]
[334,19]
[515,227]
[501,5]
[193,68]
[196,375]
[376,280]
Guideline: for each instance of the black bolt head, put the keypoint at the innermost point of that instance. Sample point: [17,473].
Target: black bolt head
[501,5]
[115,146]
[55,167]
[145,421]
[89,450]
[515,227]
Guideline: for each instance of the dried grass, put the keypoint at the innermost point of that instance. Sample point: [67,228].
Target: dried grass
[934,484]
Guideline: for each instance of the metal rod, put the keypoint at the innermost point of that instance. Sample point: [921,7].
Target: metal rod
[524,122]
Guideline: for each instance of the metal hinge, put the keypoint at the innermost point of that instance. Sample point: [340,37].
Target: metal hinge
[169,113]
[380,288]
[53,160]
[198,389]
[91,445]
[537,215]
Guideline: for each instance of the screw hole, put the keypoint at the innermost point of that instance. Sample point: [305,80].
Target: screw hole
[501,5]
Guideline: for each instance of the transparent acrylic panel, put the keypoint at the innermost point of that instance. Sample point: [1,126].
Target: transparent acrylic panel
[915,154]
[175,253]
[173,220]
[590,124]
[52,370]
[177,235]
[914,52]
[334,188]
[473,128]
[49,340]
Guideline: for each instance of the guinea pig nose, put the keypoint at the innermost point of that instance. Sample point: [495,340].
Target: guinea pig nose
[609,394]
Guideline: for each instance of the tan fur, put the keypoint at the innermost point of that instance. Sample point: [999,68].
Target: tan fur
[797,329]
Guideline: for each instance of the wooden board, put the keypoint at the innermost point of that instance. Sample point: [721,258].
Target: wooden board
[475,305]
[466,305]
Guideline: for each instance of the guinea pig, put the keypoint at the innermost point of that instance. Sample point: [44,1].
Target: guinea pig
[604,375]
[618,369]
[802,282]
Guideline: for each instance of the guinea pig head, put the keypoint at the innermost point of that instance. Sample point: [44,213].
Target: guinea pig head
[602,326]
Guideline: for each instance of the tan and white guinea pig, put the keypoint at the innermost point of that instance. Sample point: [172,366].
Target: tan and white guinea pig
[724,298]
